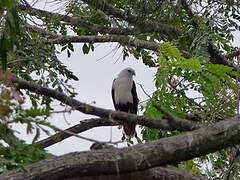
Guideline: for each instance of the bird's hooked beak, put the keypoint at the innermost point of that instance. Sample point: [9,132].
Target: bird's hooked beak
[134,74]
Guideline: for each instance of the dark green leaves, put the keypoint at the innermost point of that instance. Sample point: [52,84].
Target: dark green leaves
[9,30]
[87,47]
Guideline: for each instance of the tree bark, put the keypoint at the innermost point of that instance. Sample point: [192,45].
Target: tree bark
[158,173]
[136,158]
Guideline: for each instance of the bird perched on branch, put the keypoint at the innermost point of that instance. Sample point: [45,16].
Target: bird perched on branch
[124,96]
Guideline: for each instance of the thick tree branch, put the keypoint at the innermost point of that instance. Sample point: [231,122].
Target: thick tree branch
[81,127]
[136,158]
[158,173]
[183,125]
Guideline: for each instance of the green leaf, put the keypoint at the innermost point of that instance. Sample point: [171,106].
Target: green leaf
[85,49]
[68,53]
[170,50]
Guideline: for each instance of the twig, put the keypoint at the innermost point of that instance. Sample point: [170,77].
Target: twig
[63,111]
[168,115]
[144,91]
[84,138]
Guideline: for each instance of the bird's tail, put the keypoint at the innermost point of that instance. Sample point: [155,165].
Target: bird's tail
[129,129]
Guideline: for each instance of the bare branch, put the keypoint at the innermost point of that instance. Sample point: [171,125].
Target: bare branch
[124,40]
[140,157]
[42,31]
[158,173]
[81,137]
[141,86]
[81,127]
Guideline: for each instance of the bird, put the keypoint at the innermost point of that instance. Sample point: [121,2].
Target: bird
[124,96]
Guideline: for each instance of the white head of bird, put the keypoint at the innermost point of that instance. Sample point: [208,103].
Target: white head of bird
[127,72]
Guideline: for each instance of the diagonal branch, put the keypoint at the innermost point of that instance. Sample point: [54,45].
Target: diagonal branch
[183,125]
[84,125]
[140,157]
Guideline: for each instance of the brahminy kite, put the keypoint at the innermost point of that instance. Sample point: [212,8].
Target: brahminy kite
[124,96]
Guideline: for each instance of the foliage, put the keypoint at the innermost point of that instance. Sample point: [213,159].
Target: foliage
[14,152]
[189,86]
[9,29]
[20,154]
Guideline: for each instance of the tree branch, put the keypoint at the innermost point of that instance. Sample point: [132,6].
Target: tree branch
[136,158]
[75,21]
[81,127]
[124,40]
[183,125]
[145,26]
[158,173]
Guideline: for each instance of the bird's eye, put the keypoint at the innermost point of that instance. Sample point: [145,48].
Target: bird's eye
[128,70]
